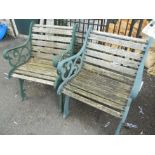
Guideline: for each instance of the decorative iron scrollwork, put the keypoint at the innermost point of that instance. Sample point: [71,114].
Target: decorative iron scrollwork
[18,55]
[70,67]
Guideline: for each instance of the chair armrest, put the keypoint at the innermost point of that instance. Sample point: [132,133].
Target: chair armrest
[18,55]
[71,66]
[139,75]
[64,54]
[70,48]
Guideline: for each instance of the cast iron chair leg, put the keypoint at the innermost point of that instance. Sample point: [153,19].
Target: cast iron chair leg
[61,99]
[124,116]
[22,90]
[66,106]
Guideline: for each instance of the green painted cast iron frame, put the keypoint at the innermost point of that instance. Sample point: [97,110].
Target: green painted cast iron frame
[69,68]
[65,54]
[16,56]
[136,86]
[70,48]
[17,53]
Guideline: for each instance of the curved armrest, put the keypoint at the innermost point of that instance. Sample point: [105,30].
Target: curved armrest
[70,48]
[18,55]
[71,66]
[138,80]
[64,54]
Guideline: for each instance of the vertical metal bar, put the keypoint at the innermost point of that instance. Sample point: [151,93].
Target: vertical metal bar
[101,24]
[119,26]
[107,25]
[114,27]
[93,23]
[70,22]
[139,28]
[132,26]
[126,27]
[98,24]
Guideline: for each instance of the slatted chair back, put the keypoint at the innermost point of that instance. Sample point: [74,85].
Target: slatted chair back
[48,40]
[117,57]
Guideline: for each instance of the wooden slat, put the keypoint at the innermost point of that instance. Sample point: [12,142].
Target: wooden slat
[54,26]
[115,97]
[123,43]
[42,55]
[41,61]
[38,69]
[42,65]
[36,75]
[50,44]
[115,51]
[112,58]
[47,50]
[111,66]
[52,31]
[92,103]
[108,73]
[144,41]
[93,97]
[51,38]
[33,79]
[103,81]
[105,87]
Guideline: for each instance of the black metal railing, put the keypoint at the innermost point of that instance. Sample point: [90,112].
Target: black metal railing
[129,27]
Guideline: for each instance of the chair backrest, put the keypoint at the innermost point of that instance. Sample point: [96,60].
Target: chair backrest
[115,56]
[50,40]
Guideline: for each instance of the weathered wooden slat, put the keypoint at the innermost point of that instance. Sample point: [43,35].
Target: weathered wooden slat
[144,41]
[115,51]
[38,69]
[42,61]
[42,55]
[42,65]
[103,86]
[108,73]
[33,79]
[112,96]
[103,81]
[51,38]
[92,96]
[54,26]
[92,103]
[35,75]
[52,31]
[47,50]
[111,66]
[50,44]
[112,58]
[123,43]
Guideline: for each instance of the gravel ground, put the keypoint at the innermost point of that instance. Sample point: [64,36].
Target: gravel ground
[39,113]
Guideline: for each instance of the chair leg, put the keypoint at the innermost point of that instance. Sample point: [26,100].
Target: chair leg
[61,99]
[124,116]
[66,106]
[22,90]
[117,132]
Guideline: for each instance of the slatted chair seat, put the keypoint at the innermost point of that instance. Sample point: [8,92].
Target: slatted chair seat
[105,74]
[35,60]
[99,91]
[37,70]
